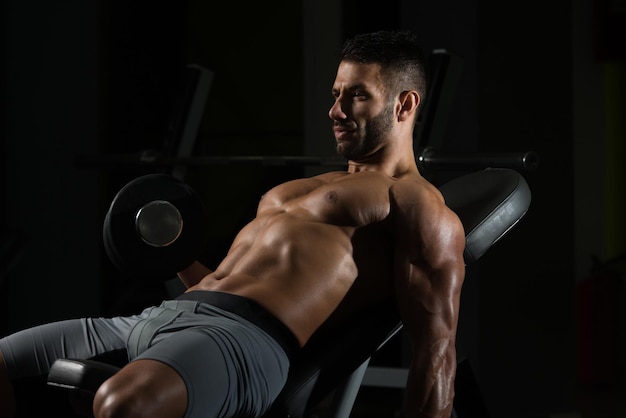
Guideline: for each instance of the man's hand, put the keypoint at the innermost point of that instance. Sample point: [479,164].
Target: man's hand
[191,275]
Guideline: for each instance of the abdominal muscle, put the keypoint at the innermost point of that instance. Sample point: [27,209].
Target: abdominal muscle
[299,270]
[303,252]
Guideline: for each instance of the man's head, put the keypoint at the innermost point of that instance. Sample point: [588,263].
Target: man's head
[401,58]
[379,85]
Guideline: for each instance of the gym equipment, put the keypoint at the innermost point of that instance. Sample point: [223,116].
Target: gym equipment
[489,203]
[155,227]
[430,159]
[189,110]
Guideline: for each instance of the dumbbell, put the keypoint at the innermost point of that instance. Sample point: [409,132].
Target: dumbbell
[155,226]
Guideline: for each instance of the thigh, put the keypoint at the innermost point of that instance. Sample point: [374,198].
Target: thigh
[31,352]
[228,370]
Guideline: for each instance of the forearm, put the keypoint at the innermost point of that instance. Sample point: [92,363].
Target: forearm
[430,386]
[191,275]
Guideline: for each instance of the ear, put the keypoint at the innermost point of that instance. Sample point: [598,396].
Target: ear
[409,102]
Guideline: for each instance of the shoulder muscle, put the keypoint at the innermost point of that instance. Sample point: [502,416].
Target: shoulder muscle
[428,230]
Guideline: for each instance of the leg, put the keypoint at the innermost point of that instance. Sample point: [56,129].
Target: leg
[27,356]
[7,397]
[143,388]
[197,365]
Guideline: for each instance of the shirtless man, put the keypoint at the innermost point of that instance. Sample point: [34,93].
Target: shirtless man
[379,224]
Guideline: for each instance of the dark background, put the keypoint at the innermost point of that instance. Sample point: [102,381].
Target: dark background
[99,78]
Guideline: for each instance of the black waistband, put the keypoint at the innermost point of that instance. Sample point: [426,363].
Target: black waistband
[251,311]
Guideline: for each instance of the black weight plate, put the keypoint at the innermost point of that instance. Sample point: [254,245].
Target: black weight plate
[129,253]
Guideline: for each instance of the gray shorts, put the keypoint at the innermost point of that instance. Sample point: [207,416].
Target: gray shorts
[232,366]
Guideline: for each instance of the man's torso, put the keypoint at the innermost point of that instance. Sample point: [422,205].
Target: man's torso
[312,241]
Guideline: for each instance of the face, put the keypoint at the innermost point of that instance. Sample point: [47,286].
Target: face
[362,114]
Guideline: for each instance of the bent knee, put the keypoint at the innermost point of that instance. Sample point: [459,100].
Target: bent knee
[140,393]
[114,401]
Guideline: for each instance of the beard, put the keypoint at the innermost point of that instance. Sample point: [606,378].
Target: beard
[372,136]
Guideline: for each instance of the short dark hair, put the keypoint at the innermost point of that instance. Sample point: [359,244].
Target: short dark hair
[398,53]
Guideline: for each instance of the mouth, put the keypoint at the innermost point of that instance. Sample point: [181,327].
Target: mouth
[342,135]
[343,131]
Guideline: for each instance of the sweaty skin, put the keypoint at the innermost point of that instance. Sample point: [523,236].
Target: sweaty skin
[303,242]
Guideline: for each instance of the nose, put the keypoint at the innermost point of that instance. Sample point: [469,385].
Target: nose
[336,112]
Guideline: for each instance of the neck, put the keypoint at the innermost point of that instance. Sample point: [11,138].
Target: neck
[394,164]
[395,159]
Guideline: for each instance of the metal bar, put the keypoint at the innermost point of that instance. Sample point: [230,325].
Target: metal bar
[386,377]
[155,160]
[432,159]
[346,394]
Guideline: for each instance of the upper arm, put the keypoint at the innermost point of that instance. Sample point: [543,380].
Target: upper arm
[429,268]
[428,274]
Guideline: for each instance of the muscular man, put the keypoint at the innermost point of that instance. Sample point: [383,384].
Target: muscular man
[378,227]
